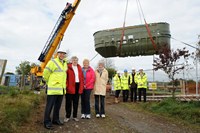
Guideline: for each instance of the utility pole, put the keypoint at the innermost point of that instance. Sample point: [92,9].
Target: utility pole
[197,61]
[196,75]
[153,94]
[183,81]
[153,69]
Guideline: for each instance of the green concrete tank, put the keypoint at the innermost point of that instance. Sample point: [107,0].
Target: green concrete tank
[135,41]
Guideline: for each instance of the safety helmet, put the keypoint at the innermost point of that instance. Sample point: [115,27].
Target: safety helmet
[118,71]
[140,69]
[61,51]
[133,68]
[125,70]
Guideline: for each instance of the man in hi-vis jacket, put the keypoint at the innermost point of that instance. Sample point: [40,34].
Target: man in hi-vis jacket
[55,76]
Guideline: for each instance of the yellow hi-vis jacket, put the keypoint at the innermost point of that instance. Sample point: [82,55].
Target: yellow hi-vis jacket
[141,81]
[117,82]
[55,76]
[124,82]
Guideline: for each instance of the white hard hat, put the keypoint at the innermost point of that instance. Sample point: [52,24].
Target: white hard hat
[133,68]
[140,68]
[118,71]
[61,51]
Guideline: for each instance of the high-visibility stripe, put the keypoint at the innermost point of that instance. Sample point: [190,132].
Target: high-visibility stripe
[55,89]
[48,69]
[59,69]
[56,64]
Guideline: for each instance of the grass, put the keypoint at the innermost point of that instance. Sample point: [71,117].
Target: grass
[16,107]
[187,111]
[6,89]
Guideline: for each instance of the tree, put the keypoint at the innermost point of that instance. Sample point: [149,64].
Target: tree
[111,72]
[23,69]
[196,56]
[109,63]
[168,62]
[198,49]
[110,66]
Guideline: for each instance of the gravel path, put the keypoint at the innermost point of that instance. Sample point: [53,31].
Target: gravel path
[120,118]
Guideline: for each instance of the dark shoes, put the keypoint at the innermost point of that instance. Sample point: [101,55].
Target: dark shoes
[57,123]
[48,126]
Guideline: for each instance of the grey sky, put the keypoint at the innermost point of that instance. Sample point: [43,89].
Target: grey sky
[26,24]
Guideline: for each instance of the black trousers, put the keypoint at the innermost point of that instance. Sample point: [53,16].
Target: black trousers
[125,95]
[102,104]
[133,91]
[53,101]
[85,101]
[117,92]
[72,99]
[142,91]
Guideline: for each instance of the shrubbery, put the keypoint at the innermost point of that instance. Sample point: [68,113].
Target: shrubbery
[16,107]
[188,111]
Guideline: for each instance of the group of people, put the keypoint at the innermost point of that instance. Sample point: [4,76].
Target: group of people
[133,83]
[71,80]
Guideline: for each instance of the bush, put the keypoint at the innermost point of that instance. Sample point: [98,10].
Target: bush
[13,92]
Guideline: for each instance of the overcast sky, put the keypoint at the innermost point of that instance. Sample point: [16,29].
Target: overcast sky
[26,24]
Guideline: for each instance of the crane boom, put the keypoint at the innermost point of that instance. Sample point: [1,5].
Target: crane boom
[55,37]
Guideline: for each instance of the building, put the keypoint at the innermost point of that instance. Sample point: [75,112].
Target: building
[10,79]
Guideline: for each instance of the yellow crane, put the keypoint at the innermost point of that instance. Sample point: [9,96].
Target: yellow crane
[53,41]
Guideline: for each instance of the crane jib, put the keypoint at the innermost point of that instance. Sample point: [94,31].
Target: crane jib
[53,42]
[61,20]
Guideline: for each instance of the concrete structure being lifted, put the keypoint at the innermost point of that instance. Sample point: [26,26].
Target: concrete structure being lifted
[136,40]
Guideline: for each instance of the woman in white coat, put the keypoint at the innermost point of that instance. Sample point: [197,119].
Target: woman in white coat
[100,89]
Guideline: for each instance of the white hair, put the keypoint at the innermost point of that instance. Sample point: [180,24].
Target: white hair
[74,58]
[101,62]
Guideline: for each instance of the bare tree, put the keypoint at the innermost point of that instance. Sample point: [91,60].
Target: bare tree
[109,63]
[197,54]
[169,61]
[198,49]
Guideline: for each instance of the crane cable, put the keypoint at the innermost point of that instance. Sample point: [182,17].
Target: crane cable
[185,43]
[146,25]
[122,35]
[94,57]
[123,28]
[139,12]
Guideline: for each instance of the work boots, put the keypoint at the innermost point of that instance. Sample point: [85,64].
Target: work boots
[116,100]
